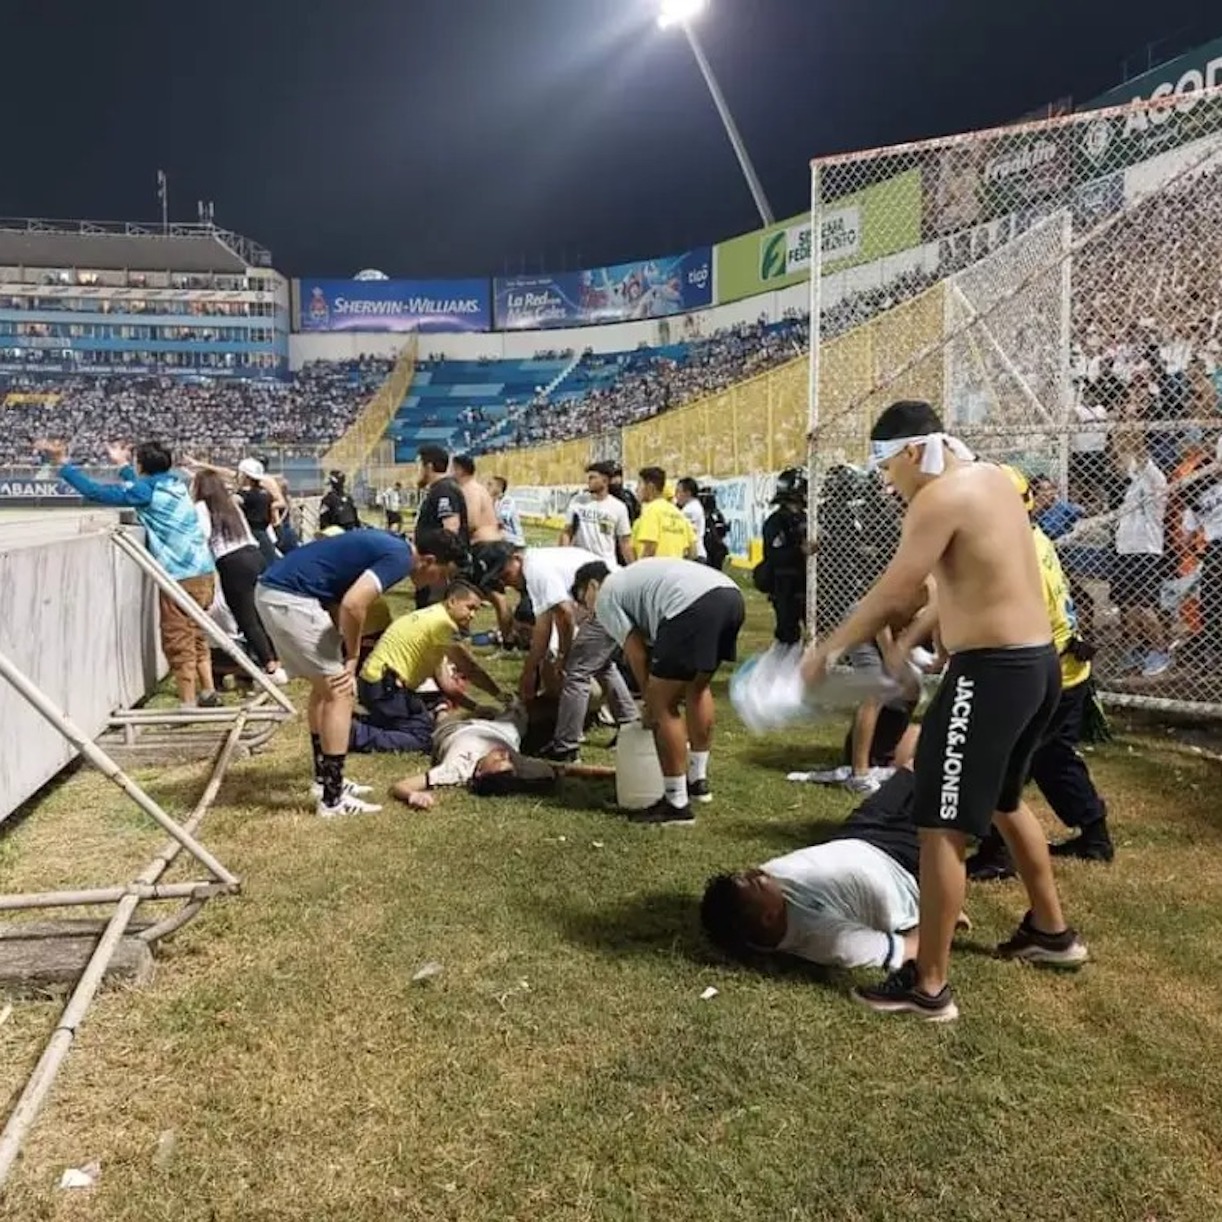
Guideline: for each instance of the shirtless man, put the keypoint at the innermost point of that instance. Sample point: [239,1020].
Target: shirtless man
[483,528]
[965,527]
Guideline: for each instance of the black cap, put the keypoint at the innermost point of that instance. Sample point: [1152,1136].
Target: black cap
[487,568]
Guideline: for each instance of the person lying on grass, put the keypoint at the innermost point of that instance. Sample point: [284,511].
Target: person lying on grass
[850,902]
[485,754]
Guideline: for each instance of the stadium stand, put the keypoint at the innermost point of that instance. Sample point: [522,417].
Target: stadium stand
[221,420]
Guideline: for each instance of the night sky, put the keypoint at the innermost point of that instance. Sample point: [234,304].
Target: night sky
[471,137]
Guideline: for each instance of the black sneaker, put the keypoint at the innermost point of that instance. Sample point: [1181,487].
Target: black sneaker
[1092,844]
[1063,949]
[210,700]
[699,791]
[985,867]
[559,755]
[898,994]
[663,812]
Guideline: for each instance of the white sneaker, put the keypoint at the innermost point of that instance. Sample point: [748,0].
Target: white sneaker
[279,676]
[866,784]
[835,777]
[351,790]
[347,805]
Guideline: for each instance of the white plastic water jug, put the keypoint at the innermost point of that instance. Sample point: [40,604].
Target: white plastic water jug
[638,775]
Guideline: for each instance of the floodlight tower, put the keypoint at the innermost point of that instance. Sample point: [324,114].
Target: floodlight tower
[683,13]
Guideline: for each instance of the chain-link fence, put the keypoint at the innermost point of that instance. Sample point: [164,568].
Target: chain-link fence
[1064,313]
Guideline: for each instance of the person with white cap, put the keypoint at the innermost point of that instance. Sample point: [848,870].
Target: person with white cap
[965,527]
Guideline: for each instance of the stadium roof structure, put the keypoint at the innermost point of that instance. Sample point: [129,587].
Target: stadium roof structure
[104,245]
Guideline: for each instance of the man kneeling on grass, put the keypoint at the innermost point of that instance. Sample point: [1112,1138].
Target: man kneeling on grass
[485,754]
[676,622]
[418,648]
[850,902]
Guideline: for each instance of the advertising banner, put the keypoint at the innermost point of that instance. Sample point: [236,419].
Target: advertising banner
[394,305]
[970,184]
[1121,142]
[26,489]
[858,228]
[627,292]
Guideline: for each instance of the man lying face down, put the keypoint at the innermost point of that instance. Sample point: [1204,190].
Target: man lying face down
[849,902]
[485,755]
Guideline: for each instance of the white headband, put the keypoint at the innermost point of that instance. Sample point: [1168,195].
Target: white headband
[933,461]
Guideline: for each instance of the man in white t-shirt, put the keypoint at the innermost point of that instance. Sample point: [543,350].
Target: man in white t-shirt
[1141,565]
[486,754]
[583,648]
[599,522]
[687,498]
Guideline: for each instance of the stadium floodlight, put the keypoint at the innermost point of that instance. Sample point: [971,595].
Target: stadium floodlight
[676,12]
[683,13]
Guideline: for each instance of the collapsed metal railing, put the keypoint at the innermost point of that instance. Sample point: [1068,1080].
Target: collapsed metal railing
[266,711]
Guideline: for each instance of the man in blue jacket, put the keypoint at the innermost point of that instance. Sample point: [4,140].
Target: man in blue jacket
[175,538]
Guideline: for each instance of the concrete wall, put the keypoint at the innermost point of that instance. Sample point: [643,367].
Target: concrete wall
[79,619]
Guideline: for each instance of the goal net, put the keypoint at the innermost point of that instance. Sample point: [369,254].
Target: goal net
[1052,288]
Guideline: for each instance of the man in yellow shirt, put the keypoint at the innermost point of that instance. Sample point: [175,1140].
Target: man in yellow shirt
[1057,767]
[416,648]
[661,530]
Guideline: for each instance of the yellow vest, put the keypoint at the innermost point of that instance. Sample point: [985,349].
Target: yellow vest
[1061,611]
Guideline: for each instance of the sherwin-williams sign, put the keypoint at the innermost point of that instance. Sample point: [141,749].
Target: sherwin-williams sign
[857,228]
[395,305]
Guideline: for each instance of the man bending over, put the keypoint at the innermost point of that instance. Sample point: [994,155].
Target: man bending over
[966,528]
[676,622]
[313,603]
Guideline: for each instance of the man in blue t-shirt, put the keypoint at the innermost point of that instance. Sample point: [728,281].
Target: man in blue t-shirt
[313,604]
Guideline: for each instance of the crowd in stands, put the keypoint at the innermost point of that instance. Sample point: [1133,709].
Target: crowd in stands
[652,382]
[222,419]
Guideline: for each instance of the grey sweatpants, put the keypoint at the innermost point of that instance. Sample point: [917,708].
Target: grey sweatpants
[590,658]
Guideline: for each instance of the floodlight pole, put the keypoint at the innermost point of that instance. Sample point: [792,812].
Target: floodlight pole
[723,109]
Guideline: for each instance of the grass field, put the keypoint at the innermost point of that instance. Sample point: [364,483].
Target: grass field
[563,1066]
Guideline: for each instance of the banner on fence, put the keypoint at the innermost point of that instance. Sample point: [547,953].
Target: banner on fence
[858,228]
[36,490]
[394,305]
[652,288]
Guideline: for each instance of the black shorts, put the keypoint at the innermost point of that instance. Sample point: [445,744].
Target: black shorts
[980,733]
[1137,581]
[700,639]
[394,517]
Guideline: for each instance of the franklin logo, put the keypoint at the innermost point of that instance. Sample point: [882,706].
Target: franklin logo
[956,736]
[774,256]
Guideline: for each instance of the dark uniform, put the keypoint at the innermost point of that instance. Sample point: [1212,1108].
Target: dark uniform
[442,500]
[785,556]
[338,508]
[621,493]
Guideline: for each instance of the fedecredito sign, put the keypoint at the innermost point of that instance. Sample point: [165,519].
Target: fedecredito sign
[394,305]
[866,225]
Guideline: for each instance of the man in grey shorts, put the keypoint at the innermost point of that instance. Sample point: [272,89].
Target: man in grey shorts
[677,621]
[313,604]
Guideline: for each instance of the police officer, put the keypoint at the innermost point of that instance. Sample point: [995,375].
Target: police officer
[785,555]
[338,508]
[1058,767]
[617,490]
